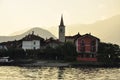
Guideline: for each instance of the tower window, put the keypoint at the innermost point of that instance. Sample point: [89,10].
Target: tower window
[60,30]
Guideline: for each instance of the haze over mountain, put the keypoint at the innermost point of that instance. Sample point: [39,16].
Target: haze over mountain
[38,31]
[107,30]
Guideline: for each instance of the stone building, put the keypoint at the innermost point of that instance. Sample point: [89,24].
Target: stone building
[62,30]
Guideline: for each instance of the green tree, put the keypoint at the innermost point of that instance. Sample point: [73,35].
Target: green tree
[107,52]
[69,51]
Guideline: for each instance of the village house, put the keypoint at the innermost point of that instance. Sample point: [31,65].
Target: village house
[87,47]
[52,43]
[32,42]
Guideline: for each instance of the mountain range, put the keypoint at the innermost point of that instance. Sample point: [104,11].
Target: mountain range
[37,31]
[107,30]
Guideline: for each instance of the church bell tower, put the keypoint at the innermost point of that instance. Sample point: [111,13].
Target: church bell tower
[62,30]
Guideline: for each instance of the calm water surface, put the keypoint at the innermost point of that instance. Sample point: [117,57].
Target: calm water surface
[54,73]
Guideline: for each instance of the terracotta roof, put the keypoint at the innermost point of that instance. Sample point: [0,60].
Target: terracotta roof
[51,40]
[32,37]
[74,36]
[18,43]
[89,35]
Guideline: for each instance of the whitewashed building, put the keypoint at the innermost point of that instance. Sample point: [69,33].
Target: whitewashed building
[31,42]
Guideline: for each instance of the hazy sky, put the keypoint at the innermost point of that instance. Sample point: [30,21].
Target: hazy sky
[16,15]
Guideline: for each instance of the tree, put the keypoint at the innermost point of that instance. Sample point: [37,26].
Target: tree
[107,52]
[69,51]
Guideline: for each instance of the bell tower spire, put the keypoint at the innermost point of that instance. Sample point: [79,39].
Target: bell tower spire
[62,22]
[62,30]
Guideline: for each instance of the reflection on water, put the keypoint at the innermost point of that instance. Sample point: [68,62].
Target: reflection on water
[54,73]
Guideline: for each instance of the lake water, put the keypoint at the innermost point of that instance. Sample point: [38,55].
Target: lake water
[54,73]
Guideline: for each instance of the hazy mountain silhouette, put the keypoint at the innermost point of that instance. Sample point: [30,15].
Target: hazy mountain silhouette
[37,31]
[107,30]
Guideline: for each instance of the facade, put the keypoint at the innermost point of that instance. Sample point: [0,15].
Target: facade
[87,47]
[62,31]
[32,42]
[87,43]
[52,43]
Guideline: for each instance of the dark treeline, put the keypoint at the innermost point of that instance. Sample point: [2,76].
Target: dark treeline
[107,53]
[62,52]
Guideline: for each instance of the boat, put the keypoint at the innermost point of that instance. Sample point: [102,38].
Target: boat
[4,60]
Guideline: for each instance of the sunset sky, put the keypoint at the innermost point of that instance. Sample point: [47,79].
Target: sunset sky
[17,15]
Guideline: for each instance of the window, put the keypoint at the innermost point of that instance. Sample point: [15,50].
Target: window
[87,55]
[93,49]
[34,43]
[82,55]
[82,43]
[93,42]
[60,30]
[82,49]
[93,56]
[34,48]
[82,46]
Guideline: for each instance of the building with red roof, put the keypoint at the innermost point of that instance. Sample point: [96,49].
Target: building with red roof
[32,41]
[87,47]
